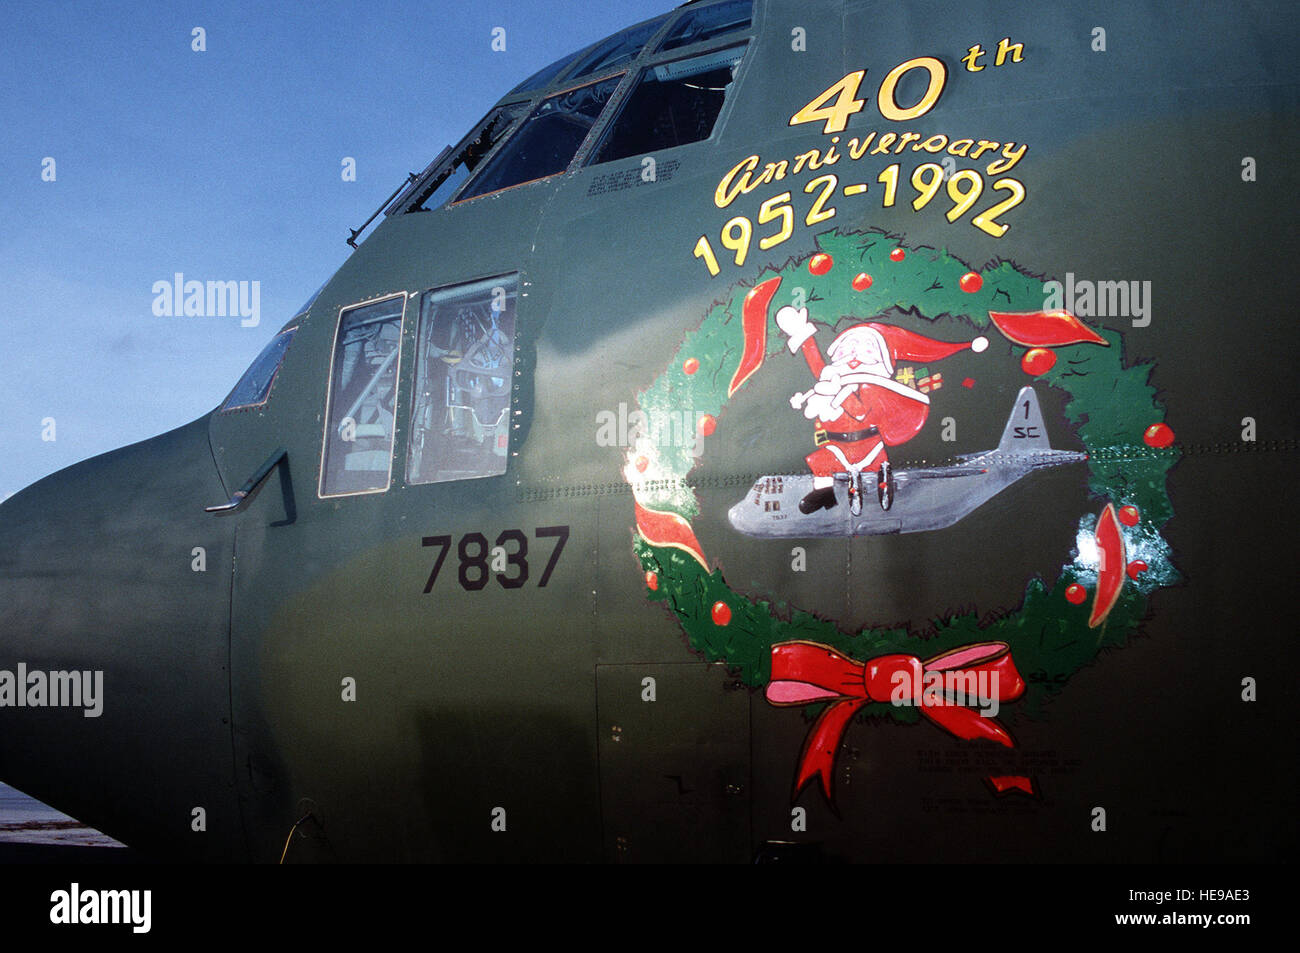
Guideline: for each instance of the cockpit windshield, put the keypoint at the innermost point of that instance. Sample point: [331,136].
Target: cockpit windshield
[672,103]
[705,23]
[618,50]
[548,139]
[543,76]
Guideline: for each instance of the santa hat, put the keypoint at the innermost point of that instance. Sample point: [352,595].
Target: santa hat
[894,344]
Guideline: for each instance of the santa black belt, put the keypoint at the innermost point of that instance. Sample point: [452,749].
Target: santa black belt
[822,437]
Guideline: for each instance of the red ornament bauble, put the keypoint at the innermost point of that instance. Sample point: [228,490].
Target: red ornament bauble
[641,464]
[690,365]
[1136,568]
[707,425]
[861,281]
[1038,360]
[1129,516]
[1076,594]
[721,613]
[820,263]
[652,580]
[1158,436]
[970,282]
[897,254]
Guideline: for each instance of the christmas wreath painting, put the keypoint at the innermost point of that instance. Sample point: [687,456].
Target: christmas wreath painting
[1094,601]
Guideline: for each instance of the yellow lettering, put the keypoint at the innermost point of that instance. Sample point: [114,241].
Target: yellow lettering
[964,145]
[772,172]
[883,145]
[1005,46]
[837,114]
[933,144]
[812,157]
[904,139]
[857,153]
[997,167]
[986,145]
[725,193]
[888,104]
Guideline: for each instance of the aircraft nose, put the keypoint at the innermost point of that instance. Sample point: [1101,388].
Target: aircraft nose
[114,647]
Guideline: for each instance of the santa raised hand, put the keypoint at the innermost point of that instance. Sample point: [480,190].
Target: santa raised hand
[859,408]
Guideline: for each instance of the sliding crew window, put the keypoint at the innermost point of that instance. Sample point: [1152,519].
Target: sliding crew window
[460,421]
[358,451]
[435,192]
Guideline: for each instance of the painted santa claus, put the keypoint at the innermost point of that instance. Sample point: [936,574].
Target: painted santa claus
[858,406]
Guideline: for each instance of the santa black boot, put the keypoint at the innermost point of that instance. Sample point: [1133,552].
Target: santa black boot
[817,500]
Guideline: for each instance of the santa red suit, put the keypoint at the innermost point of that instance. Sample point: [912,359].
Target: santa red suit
[859,408]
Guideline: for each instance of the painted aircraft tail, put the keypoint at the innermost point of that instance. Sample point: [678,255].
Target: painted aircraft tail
[1025,429]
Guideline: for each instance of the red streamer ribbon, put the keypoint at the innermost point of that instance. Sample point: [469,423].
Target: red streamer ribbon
[664,528]
[753,323]
[805,672]
[1006,783]
[1110,574]
[1045,328]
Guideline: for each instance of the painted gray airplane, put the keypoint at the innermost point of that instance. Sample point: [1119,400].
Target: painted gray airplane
[422,587]
[921,499]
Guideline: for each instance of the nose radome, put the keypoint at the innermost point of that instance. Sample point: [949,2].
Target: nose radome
[114,647]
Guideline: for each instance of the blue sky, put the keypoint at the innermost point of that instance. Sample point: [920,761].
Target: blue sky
[223,165]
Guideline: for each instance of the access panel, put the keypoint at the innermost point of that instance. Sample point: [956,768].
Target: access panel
[674,763]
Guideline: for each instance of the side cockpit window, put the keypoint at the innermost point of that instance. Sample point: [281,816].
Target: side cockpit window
[460,420]
[254,388]
[440,181]
[358,450]
[673,104]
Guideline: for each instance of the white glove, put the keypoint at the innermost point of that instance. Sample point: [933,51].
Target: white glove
[820,405]
[795,323]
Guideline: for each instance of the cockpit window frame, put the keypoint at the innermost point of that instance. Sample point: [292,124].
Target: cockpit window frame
[450,291]
[563,77]
[620,74]
[611,117]
[630,72]
[397,395]
[695,11]
[413,198]
[653,37]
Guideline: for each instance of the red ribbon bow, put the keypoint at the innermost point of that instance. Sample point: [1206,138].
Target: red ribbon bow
[805,672]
